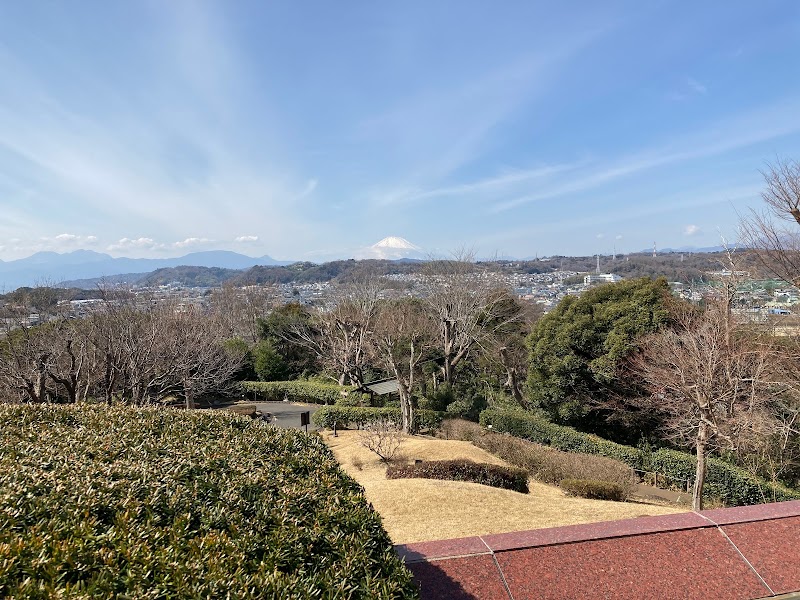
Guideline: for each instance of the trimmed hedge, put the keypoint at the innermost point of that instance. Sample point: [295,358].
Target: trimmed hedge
[732,485]
[343,417]
[508,478]
[593,489]
[105,502]
[297,391]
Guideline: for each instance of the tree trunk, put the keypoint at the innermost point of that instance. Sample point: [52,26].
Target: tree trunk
[700,474]
[187,390]
[512,381]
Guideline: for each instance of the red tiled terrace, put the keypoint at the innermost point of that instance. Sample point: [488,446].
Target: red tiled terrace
[732,553]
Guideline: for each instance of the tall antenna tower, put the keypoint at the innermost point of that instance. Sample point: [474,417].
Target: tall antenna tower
[614,256]
[654,249]
[598,264]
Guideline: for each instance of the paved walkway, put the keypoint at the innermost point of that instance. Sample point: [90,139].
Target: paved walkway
[284,414]
[287,414]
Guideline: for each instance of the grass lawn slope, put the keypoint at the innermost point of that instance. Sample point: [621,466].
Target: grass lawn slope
[154,503]
[416,510]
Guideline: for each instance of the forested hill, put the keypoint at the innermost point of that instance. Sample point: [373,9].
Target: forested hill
[685,267]
[301,272]
[339,270]
[189,276]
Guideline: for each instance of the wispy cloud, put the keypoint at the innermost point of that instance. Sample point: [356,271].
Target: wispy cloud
[144,167]
[246,239]
[766,123]
[659,205]
[696,86]
[438,132]
[488,186]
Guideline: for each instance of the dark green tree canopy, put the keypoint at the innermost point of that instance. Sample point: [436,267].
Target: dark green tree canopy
[278,356]
[576,349]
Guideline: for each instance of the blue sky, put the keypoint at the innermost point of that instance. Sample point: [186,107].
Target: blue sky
[308,130]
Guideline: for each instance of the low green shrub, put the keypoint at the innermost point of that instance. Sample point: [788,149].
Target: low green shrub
[732,485]
[593,489]
[311,392]
[545,464]
[509,478]
[343,417]
[107,502]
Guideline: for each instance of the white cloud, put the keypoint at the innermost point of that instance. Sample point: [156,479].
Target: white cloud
[600,236]
[192,241]
[619,237]
[244,239]
[70,239]
[142,243]
[691,230]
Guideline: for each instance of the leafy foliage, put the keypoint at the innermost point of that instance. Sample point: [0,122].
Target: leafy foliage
[509,478]
[269,365]
[276,329]
[576,348]
[117,502]
[732,485]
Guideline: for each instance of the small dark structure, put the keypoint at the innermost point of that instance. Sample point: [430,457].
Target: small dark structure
[381,388]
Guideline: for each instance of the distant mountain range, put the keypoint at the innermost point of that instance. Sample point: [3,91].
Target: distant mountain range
[86,268]
[706,250]
[52,268]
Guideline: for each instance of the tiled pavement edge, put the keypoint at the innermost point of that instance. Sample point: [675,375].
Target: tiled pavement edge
[744,552]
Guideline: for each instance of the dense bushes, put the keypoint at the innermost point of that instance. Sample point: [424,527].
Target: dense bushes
[159,503]
[593,489]
[297,391]
[342,417]
[545,464]
[498,476]
[730,484]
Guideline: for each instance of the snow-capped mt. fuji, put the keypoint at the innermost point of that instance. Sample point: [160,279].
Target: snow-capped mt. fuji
[396,243]
[392,248]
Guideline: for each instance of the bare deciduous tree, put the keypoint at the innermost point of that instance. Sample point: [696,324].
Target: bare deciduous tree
[403,337]
[468,307]
[773,232]
[383,437]
[710,382]
[239,309]
[338,333]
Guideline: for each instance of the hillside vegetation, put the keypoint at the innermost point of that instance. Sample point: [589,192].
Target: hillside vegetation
[119,502]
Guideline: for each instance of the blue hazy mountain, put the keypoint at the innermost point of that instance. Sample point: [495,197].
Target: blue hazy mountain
[51,268]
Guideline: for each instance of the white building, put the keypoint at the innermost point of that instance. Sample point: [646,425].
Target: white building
[601,278]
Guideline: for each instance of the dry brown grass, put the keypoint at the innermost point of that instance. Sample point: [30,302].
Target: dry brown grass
[416,510]
[545,464]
